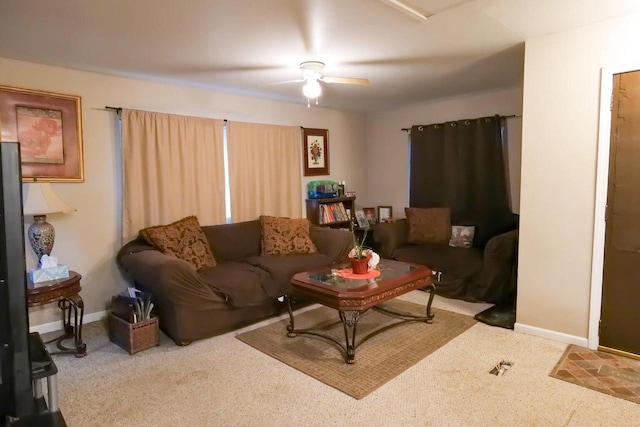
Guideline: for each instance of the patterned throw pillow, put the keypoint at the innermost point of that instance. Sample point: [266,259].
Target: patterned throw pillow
[284,236]
[182,239]
[428,225]
[462,236]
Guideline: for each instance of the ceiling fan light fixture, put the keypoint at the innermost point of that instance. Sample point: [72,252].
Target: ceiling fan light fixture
[312,89]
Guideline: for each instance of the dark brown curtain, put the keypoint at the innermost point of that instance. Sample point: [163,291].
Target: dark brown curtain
[460,165]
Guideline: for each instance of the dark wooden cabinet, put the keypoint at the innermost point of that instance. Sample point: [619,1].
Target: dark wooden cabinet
[331,212]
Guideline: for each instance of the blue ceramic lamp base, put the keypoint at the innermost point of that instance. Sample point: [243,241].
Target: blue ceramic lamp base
[41,236]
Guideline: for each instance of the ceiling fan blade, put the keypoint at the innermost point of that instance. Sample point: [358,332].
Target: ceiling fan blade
[345,80]
[213,68]
[279,83]
[427,60]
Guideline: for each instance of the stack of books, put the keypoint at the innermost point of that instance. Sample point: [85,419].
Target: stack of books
[333,212]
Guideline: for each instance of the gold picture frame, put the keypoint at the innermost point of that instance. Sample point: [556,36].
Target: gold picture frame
[48,127]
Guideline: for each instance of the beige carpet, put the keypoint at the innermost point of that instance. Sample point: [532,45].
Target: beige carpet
[378,360]
[607,373]
[221,381]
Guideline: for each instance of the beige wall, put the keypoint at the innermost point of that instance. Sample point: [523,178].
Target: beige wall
[88,239]
[388,146]
[559,151]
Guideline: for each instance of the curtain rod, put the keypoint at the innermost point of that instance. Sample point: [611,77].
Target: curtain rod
[118,110]
[505,117]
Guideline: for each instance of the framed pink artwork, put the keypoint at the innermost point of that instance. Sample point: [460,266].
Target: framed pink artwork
[48,127]
[315,151]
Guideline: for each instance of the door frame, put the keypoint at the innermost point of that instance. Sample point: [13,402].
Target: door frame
[602,183]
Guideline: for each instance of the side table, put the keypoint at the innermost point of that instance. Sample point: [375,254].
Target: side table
[66,292]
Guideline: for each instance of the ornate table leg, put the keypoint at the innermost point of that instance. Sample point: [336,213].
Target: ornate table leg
[73,303]
[290,326]
[350,322]
[431,288]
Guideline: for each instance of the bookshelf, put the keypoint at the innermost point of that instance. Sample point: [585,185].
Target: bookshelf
[331,212]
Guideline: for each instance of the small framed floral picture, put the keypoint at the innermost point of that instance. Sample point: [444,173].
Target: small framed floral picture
[316,151]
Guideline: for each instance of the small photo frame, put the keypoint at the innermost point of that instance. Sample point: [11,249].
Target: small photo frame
[370,214]
[361,218]
[384,213]
[48,127]
[316,151]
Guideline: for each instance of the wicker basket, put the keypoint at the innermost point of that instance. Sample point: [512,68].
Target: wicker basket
[133,337]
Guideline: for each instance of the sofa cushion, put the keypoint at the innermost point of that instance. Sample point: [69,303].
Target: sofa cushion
[285,236]
[462,236]
[428,225]
[332,242]
[182,239]
[240,284]
[234,242]
[464,262]
[282,269]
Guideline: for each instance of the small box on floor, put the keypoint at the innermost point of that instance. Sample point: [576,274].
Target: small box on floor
[134,337]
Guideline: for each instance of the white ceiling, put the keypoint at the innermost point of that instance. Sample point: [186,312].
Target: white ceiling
[238,45]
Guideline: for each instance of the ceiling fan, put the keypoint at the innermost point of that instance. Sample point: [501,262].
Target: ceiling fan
[312,75]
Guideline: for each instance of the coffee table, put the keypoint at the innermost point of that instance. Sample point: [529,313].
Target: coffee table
[353,297]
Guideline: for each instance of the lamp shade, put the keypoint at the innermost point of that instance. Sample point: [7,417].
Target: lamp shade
[40,199]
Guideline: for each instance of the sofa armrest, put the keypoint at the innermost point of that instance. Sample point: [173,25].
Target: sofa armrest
[332,242]
[391,236]
[500,263]
[168,278]
[503,246]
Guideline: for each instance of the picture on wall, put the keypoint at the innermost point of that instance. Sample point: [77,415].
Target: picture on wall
[316,151]
[48,127]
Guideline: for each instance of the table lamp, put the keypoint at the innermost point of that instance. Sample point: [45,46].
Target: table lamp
[39,199]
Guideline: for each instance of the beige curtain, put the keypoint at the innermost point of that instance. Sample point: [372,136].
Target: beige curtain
[264,170]
[172,167]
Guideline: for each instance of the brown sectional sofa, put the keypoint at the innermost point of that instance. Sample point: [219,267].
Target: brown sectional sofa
[240,289]
[484,272]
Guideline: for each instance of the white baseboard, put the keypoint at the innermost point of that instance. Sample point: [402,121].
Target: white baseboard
[552,335]
[57,326]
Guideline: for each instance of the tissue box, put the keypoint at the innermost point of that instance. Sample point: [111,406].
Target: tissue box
[38,275]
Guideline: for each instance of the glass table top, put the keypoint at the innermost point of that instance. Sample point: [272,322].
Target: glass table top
[388,270]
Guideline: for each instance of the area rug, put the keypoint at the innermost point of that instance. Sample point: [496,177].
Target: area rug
[378,360]
[607,373]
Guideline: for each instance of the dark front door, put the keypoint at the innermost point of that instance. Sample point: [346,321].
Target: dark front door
[620,316]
